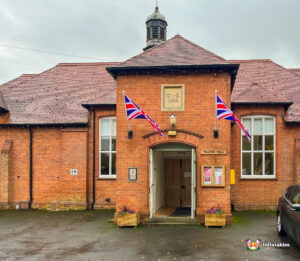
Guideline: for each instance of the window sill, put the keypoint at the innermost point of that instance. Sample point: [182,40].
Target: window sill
[258,178]
[107,178]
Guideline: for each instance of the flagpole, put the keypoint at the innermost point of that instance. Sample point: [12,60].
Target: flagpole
[130,133]
[216,134]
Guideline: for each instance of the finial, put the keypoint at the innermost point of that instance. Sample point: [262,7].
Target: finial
[156,3]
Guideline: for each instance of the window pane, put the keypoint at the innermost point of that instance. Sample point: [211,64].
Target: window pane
[257,142]
[113,164]
[257,126]
[246,161]
[105,128]
[257,163]
[246,143]
[247,124]
[269,163]
[113,143]
[113,127]
[104,143]
[269,140]
[269,126]
[104,163]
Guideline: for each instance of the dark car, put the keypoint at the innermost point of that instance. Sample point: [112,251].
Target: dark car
[288,213]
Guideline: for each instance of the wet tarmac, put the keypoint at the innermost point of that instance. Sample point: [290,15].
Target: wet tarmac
[86,235]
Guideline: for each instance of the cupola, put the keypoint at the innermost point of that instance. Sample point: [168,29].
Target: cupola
[156,26]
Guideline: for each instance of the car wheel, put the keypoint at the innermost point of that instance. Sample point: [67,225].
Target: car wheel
[280,228]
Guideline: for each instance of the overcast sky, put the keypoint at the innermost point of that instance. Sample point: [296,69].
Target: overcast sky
[114,30]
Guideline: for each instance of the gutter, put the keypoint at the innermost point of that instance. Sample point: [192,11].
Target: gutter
[94,163]
[30,168]
[208,68]
[43,125]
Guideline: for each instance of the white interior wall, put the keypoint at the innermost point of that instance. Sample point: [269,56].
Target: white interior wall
[158,180]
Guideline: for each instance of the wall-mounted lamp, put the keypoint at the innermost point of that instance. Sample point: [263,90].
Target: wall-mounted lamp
[173,119]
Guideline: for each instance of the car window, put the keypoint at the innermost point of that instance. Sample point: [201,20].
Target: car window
[296,196]
[290,193]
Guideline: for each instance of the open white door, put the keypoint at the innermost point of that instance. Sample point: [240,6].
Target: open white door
[151,183]
[193,184]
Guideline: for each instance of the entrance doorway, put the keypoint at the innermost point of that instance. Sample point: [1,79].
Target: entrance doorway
[172,181]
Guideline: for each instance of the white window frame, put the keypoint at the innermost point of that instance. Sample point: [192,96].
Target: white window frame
[109,176]
[263,176]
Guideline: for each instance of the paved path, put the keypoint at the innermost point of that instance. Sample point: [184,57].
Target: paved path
[86,235]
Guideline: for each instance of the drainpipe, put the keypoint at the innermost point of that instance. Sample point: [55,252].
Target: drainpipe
[30,168]
[94,166]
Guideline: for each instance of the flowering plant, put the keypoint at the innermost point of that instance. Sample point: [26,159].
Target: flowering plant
[125,209]
[215,210]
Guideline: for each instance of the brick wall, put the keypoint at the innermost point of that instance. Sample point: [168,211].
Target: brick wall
[55,152]
[199,115]
[104,188]
[264,194]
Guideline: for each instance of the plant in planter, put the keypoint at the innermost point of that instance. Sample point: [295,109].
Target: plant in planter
[215,217]
[127,217]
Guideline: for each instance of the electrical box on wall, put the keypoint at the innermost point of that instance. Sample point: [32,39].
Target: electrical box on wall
[73,172]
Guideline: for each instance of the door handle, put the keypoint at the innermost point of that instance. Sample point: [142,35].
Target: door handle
[182,187]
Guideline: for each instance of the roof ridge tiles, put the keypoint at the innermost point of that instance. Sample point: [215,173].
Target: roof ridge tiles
[250,60]
[86,64]
[149,50]
[198,46]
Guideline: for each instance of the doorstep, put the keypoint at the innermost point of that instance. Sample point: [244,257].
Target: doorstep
[170,221]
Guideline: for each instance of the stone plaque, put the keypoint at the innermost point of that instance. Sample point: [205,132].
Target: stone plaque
[172,98]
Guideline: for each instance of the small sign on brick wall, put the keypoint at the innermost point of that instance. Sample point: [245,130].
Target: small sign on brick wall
[132,174]
[73,172]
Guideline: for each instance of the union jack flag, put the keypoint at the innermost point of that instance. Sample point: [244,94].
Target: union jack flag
[134,112]
[224,113]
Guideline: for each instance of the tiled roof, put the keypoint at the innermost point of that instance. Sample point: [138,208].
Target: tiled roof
[263,81]
[55,96]
[176,51]
[295,70]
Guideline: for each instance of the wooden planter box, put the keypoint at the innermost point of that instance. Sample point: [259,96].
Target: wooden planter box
[128,219]
[217,220]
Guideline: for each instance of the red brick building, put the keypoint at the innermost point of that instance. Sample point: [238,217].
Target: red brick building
[65,145]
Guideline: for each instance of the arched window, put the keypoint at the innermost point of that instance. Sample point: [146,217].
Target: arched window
[107,147]
[258,157]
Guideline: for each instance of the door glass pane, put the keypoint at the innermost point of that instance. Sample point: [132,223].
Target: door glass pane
[257,126]
[113,143]
[247,124]
[257,163]
[104,143]
[104,163]
[246,162]
[113,127]
[105,126]
[113,163]
[269,163]
[269,140]
[257,142]
[246,143]
[269,126]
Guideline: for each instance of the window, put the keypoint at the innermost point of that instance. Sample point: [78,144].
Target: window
[107,147]
[258,157]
